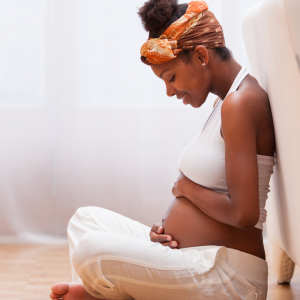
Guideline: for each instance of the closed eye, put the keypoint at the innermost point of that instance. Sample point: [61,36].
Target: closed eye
[172,79]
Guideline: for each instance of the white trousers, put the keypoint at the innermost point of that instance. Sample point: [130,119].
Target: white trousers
[114,258]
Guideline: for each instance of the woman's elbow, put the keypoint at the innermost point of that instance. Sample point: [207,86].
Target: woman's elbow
[247,221]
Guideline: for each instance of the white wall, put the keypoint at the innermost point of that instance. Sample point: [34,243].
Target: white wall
[82,120]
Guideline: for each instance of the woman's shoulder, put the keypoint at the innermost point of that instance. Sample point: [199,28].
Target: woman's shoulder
[246,114]
[249,101]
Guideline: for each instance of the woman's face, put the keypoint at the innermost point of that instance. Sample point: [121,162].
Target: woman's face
[188,81]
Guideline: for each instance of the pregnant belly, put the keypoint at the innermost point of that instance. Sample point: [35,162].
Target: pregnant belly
[190,227]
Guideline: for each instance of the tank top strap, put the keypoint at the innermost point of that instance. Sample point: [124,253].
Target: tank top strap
[237,81]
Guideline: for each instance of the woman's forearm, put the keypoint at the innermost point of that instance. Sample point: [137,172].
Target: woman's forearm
[216,205]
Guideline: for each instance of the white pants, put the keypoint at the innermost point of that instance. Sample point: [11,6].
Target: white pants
[114,258]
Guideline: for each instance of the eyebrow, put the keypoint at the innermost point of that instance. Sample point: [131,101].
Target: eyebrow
[162,73]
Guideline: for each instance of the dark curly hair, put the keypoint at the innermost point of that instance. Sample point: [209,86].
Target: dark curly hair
[158,15]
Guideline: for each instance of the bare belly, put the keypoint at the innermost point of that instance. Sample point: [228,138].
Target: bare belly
[190,227]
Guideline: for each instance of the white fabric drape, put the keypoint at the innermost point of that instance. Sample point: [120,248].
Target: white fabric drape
[82,120]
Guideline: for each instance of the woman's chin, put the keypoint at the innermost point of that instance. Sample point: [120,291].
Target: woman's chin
[196,105]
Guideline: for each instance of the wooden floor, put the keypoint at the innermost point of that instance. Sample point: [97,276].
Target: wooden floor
[27,273]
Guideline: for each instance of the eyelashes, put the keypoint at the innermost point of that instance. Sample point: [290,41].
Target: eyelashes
[172,79]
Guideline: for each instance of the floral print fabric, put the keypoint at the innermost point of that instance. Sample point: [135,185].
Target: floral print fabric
[197,26]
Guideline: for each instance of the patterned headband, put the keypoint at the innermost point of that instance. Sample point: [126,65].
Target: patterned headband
[197,26]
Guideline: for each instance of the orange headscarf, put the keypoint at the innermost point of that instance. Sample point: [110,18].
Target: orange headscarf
[197,26]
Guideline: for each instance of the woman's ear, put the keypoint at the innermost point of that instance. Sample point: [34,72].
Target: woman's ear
[202,55]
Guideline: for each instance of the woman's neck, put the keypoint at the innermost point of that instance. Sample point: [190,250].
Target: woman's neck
[223,76]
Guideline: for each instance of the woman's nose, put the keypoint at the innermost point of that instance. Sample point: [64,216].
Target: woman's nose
[170,91]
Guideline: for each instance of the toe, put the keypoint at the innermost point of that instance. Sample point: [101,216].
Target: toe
[55,296]
[60,288]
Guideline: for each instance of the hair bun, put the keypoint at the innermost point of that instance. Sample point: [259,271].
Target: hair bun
[155,13]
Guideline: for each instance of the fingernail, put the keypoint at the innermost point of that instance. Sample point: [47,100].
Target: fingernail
[169,239]
[174,244]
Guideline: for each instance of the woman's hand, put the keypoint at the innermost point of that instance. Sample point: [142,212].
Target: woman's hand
[179,186]
[157,236]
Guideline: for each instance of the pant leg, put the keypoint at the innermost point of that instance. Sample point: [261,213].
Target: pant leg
[115,266]
[115,259]
[96,219]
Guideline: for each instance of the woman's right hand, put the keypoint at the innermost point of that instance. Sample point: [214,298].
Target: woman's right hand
[157,236]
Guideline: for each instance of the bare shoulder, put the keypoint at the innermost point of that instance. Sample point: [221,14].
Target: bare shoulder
[250,101]
[247,113]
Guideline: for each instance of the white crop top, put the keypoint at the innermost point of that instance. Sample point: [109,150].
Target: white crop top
[203,159]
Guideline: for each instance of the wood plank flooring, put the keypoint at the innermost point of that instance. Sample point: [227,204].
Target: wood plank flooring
[27,273]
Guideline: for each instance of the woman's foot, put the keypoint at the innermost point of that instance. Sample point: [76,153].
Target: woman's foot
[70,291]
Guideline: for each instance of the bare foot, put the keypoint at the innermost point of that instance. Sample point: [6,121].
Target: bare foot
[70,291]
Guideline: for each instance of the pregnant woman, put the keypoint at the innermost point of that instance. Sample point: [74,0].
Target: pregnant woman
[209,245]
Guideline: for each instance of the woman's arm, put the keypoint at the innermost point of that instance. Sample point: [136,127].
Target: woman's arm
[239,208]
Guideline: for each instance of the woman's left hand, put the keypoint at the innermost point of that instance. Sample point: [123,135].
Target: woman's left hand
[179,186]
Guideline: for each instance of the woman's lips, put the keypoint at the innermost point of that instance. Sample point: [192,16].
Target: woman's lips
[184,99]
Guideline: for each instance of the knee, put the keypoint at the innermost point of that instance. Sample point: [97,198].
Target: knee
[99,245]
[88,212]
[78,225]
[81,218]
[94,246]
[81,211]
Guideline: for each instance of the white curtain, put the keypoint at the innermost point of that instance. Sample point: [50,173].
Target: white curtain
[82,120]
